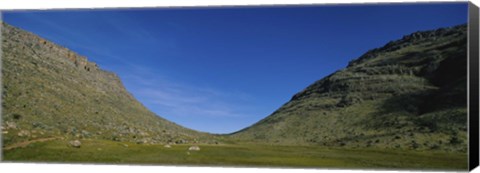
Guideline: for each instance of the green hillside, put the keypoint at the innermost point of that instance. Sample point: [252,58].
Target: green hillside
[409,94]
[50,91]
[401,106]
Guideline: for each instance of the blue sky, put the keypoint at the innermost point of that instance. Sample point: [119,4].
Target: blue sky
[220,70]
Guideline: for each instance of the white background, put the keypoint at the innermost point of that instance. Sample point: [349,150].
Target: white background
[82,168]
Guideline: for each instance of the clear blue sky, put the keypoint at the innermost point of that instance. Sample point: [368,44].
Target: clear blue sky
[222,69]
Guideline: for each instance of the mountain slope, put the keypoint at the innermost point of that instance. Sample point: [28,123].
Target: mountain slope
[410,93]
[50,91]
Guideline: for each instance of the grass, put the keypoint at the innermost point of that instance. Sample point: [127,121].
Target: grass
[102,151]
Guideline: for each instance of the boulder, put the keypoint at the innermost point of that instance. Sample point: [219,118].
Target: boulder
[11,125]
[142,141]
[39,125]
[23,133]
[167,146]
[85,133]
[194,148]
[143,134]
[181,141]
[75,143]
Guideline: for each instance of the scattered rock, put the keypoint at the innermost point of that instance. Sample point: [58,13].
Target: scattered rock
[75,143]
[167,146]
[144,134]
[194,148]
[4,132]
[85,133]
[11,125]
[142,141]
[38,125]
[115,138]
[23,133]
[125,145]
[181,141]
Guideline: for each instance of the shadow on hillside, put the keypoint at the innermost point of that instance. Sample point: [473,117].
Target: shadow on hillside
[425,110]
[394,112]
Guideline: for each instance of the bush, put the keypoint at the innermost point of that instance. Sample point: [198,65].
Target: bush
[348,100]
[414,145]
[454,140]
[435,146]
[429,123]
[17,116]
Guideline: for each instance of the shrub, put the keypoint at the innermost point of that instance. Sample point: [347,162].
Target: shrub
[454,140]
[414,144]
[435,146]
[17,116]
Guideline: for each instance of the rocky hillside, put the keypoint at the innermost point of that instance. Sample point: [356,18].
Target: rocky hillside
[410,93]
[50,91]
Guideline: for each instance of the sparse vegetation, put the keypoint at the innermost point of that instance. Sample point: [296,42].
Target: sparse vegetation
[402,95]
[49,91]
[399,106]
[103,151]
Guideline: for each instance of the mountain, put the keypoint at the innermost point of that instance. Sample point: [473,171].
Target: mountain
[410,93]
[50,91]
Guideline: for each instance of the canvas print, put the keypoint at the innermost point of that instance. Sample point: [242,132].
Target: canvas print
[358,86]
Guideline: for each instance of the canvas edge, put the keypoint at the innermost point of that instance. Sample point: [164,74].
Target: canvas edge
[473,85]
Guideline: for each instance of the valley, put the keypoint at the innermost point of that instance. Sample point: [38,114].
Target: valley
[400,106]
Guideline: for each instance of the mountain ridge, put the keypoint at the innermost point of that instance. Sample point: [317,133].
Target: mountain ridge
[409,93]
[49,90]
[397,80]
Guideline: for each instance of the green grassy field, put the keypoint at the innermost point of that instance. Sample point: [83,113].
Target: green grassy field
[99,151]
